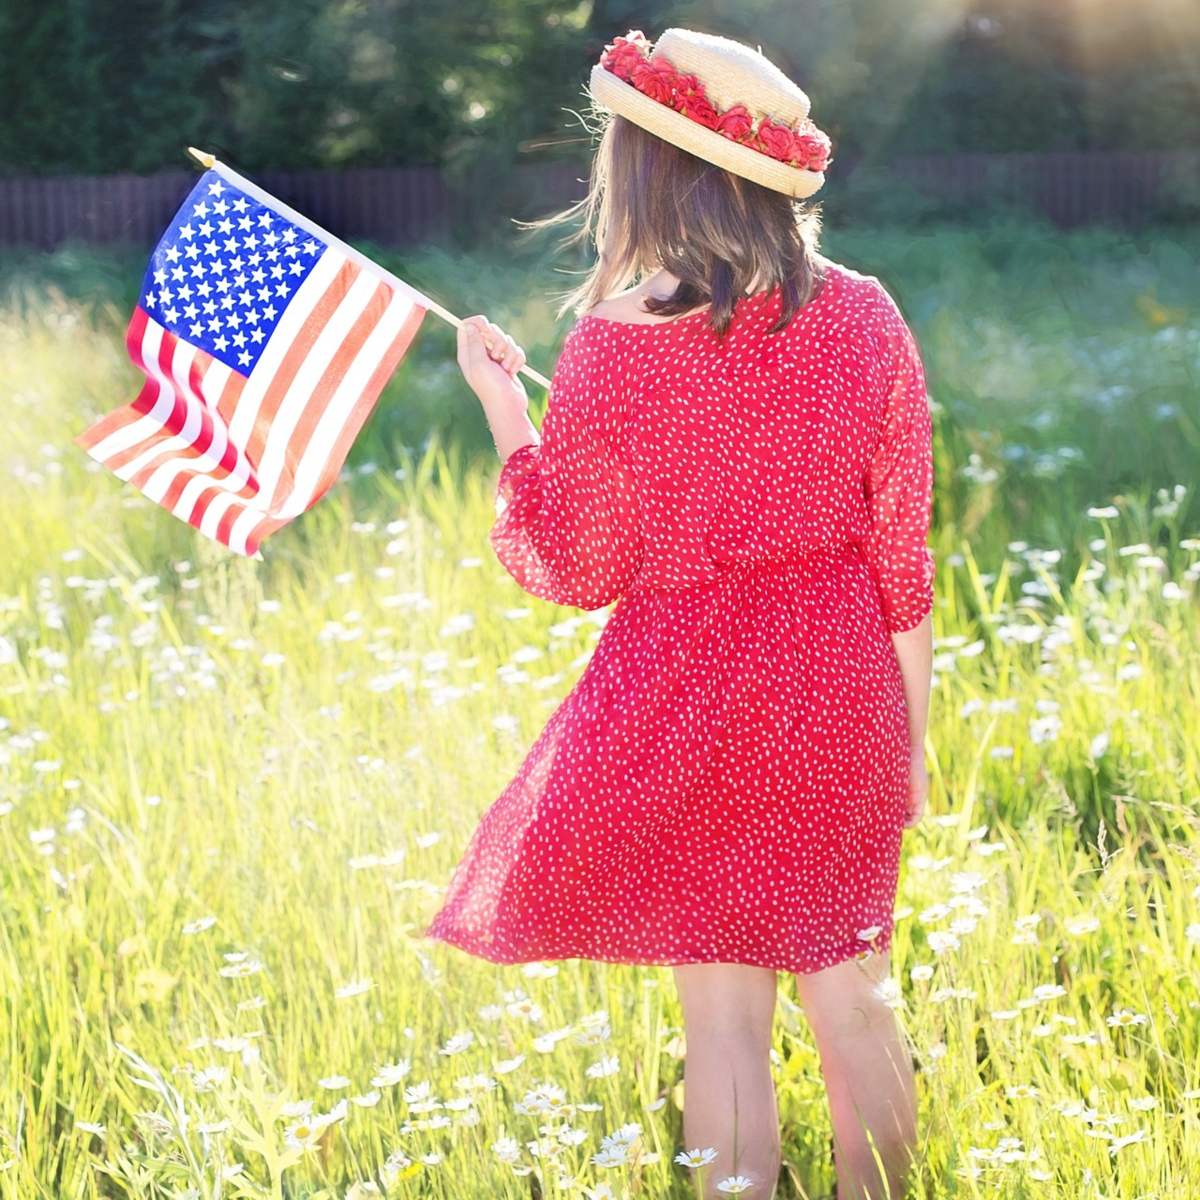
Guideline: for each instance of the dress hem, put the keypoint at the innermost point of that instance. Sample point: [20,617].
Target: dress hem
[478,949]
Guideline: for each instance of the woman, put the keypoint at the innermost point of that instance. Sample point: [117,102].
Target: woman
[737,452]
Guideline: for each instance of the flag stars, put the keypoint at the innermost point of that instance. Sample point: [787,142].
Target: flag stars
[244,224]
[215,325]
[160,277]
[269,312]
[296,268]
[239,339]
[244,358]
[289,234]
[257,335]
[211,248]
[205,229]
[221,343]
[272,255]
[177,275]
[264,220]
[231,245]
[172,315]
[171,254]
[258,275]
[201,209]
[184,290]
[276,272]
[250,242]
[220,208]
[191,312]
[197,270]
[282,289]
[204,289]
[240,204]
[216,188]
[310,247]
[270,239]
[186,231]
[197,330]
[191,252]
[245,299]
[264,294]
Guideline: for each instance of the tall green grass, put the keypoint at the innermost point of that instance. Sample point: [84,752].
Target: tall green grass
[231,791]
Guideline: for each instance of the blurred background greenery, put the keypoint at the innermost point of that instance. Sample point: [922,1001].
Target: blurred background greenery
[95,86]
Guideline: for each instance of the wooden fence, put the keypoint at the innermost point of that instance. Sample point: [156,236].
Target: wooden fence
[399,206]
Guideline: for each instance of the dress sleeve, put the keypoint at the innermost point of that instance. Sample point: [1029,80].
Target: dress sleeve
[568,526]
[899,480]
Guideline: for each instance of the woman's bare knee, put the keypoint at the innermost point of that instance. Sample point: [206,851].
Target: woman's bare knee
[842,1001]
[727,999]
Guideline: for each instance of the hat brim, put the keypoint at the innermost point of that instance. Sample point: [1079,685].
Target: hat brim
[608,91]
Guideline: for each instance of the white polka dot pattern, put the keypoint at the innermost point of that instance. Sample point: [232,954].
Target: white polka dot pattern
[726,780]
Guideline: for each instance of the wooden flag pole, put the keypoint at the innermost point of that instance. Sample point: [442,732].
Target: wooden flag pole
[210,163]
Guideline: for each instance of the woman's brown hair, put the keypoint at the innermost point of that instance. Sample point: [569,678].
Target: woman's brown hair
[654,205]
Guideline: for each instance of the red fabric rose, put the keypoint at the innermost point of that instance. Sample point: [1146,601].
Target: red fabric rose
[735,123]
[687,89]
[700,110]
[812,150]
[625,53]
[654,80]
[775,139]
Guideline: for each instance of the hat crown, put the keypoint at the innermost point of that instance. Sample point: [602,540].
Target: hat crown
[734,74]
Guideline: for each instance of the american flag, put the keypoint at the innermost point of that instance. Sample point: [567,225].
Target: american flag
[265,343]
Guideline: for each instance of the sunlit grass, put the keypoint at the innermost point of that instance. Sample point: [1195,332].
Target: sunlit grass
[231,794]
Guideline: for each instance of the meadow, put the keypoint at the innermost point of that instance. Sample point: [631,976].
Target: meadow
[232,792]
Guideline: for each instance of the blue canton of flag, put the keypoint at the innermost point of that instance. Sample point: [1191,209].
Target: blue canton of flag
[225,271]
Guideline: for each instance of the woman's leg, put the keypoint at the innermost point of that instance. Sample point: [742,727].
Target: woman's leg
[728,1012]
[868,1074]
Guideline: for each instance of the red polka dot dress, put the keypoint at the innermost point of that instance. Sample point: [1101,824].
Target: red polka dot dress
[726,780]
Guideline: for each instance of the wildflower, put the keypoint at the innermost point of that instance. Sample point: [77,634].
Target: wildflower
[526,1009]
[934,912]
[696,1158]
[508,1065]
[91,1127]
[1081,925]
[475,1083]
[735,1184]
[208,1079]
[356,987]
[303,1135]
[458,1043]
[1049,991]
[940,942]
[921,972]
[392,1073]
[1126,1016]
[238,970]
[603,1068]
[367,1100]
[199,925]
[870,933]
[333,1081]
[491,1012]
[506,1150]
[1119,1143]
[1005,1014]
[888,990]
[616,1154]
[1021,1091]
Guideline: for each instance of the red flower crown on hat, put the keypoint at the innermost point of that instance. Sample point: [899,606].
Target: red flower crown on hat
[628,58]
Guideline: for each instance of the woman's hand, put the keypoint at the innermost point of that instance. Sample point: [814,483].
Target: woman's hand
[918,787]
[490,360]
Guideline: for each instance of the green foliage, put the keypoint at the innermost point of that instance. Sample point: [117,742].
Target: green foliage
[92,87]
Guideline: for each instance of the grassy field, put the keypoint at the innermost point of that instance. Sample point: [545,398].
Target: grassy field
[231,792]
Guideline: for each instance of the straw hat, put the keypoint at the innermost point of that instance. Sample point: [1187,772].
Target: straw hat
[717,99]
